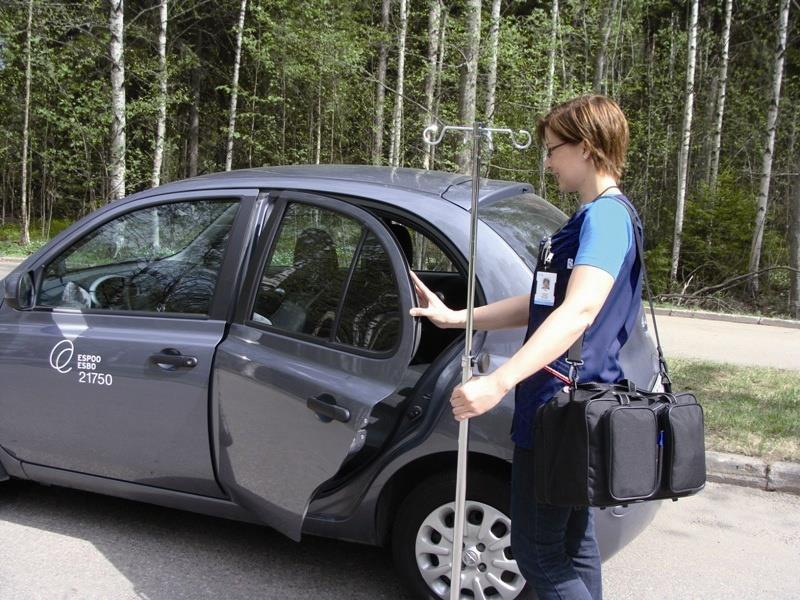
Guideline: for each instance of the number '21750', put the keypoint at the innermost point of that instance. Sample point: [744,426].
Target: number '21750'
[96,378]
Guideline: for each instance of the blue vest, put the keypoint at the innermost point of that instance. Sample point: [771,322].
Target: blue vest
[602,340]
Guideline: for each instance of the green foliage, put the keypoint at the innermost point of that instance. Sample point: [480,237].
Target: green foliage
[307,79]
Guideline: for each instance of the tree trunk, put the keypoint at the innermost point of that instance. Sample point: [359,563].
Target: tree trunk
[396,140]
[194,118]
[24,226]
[551,77]
[794,244]
[683,158]
[769,147]
[116,183]
[161,124]
[469,80]
[380,91]
[318,145]
[431,76]
[439,68]
[235,87]
[600,58]
[721,92]
[491,76]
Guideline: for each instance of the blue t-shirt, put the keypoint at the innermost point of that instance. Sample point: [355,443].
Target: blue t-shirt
[606,235]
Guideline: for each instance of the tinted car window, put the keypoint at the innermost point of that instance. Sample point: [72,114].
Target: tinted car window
[522,221]
[163,258]
[304,278]
[422,253]
[370,316]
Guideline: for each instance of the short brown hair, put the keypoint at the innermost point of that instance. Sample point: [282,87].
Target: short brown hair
[595,120]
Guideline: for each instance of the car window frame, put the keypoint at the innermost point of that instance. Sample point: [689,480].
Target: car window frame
[226,279]
[268,242]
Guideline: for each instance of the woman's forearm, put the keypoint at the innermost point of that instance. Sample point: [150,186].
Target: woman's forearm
[503,314]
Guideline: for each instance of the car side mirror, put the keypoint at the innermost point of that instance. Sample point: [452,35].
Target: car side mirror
[18,290]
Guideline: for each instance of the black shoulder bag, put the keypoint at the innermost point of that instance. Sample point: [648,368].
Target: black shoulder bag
[608,444]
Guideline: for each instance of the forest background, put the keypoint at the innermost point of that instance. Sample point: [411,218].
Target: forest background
[100,98]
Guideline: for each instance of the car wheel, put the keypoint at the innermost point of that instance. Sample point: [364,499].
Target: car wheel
[423,532]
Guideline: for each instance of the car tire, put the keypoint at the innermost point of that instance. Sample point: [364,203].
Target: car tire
[425,510]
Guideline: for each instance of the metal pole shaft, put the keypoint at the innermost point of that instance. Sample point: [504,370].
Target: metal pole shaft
[466,373]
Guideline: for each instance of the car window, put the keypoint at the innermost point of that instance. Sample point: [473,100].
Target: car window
[522,221]
[163,258]
[304,278]
[328,276]
[370,317]
[422,253]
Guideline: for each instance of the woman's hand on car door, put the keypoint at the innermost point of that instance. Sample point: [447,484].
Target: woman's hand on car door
[432,307]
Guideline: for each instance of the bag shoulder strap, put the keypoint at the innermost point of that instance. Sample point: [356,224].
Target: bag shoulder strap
[574,353]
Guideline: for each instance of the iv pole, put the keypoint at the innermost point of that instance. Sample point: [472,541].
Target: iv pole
[520,140]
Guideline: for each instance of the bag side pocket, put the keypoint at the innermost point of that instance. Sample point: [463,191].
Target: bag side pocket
[633,452]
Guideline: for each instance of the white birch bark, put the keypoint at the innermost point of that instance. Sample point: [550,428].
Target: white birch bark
[235,87]
[769,146]
[380,90]
[395,145]
[721,94]
[469,80]
[491,76]
[434,21]
[686,137]
[600,57]
[24,230]
[551,76]
[116,21]
[161,123]
[439,68]
[794,243]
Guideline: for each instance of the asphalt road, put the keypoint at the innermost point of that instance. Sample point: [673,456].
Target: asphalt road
[61,544]
[6,268]
[724,341]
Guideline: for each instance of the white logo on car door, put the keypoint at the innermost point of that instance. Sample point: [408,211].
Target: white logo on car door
[61,355]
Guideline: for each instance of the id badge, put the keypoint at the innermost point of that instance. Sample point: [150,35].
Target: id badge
[545,288]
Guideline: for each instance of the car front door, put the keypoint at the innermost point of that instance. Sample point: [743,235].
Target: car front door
[323,335]
[108,375]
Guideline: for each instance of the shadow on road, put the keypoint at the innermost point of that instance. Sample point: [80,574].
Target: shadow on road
[167,554]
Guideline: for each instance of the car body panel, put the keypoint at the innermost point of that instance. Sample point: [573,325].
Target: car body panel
[349,507]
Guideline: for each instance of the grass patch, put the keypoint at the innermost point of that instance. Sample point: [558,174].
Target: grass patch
[9,237]
[748,410]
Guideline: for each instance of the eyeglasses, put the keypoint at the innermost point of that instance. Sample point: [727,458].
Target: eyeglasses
[549,150]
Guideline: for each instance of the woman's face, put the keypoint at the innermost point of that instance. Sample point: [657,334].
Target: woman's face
[567,162]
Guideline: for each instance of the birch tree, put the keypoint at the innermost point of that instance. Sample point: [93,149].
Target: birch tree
[116,25]
[551,76]
[721,94]
[235,86]
[769,147]
[469,79]
[431,75]
[794,243]
[602,50]
[161,122]
[24,232]
[395,146]
[491,76]
[380,91]
[686,137]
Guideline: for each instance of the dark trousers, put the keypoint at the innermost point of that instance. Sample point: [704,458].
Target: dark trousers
[555,547]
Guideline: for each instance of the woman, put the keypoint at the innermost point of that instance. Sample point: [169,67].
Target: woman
[586,284]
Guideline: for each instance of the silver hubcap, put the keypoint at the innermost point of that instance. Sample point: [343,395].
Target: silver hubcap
[488,570]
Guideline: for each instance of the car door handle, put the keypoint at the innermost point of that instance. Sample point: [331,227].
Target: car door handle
[325,406]
[173,358]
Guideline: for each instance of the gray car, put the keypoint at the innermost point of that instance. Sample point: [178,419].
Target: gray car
[240,345]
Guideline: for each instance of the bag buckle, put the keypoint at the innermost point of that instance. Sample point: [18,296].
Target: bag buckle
[573,372]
